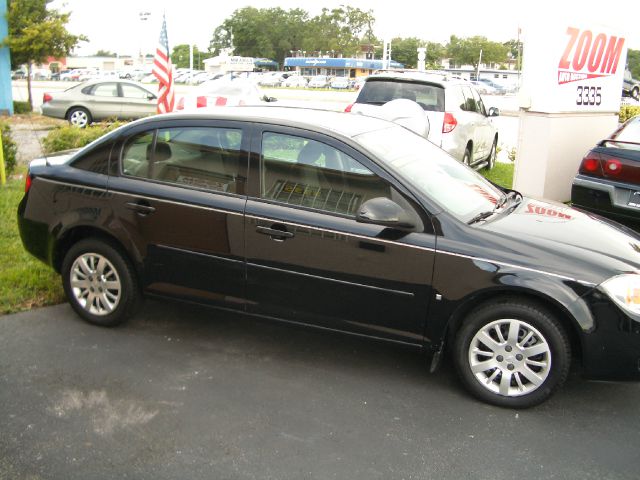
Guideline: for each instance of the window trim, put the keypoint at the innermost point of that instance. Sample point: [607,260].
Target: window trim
[164,126]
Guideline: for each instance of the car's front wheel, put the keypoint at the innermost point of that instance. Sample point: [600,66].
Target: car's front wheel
[79,117]
[512,353]
[635,93]
[99,282]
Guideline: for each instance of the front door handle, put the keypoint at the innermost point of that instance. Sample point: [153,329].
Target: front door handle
[141,207]
[276,231]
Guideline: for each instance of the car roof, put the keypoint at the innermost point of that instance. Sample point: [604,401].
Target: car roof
[440,78]
[326,121]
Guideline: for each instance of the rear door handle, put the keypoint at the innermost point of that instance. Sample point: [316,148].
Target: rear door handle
[140,207]
[276,231]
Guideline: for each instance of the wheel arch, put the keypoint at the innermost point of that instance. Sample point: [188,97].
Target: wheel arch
[75,107]
[73,235]
[561,312]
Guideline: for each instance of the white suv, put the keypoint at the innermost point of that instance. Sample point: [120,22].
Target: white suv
[459,122]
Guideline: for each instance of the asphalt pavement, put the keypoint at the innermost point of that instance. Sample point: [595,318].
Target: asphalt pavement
[183,392]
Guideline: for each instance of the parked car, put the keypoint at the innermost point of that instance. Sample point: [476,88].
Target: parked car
[459,121]
[271,79]
[223,93]
[630,86]
[310,217]
[319,81]
[98,100]
[483,88]
[493,87]
[295,81]
[608,180]
[340,83]
[18,75]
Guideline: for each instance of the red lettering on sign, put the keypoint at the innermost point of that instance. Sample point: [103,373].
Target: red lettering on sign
[582,50]
[564,60]
[589,56]
[596,52]
[612,55]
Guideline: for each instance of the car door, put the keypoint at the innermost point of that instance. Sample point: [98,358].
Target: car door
[137,102]
[180,196]
[485,128]
[310,261]
[103,101]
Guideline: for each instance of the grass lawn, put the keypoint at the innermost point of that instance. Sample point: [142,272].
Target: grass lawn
[501,174]
[24,281]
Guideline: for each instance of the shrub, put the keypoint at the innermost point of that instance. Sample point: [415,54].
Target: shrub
[68,137]
[9,148]
[22,107]
[628,111]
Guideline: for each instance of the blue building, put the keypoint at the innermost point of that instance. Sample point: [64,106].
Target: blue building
[6,101]
[336,67]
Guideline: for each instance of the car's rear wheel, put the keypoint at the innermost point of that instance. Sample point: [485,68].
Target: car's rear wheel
[79,117]
[512,354]
[635,93]
[466,159]
[100,283]
[491,159]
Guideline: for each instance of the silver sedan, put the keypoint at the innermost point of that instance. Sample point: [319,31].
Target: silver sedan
[98,100]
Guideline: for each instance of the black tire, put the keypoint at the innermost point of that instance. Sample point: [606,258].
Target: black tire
[81,283]
[491,159]
[79,117]
[509,360]
[466,159]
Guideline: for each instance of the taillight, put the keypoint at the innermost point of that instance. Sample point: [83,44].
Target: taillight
[180,104]
[613,166]
[27,182]
[449,122]
[46,98]
[201,102]
[591,165]
[349,107]
[221,101]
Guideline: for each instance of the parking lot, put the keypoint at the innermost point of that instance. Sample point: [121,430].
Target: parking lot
[186,392]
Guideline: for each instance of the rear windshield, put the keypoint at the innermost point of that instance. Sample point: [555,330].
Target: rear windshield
[379,92]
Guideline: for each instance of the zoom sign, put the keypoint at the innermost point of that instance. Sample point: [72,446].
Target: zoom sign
[574,68]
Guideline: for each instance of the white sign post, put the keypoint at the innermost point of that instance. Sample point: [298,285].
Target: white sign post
[569,100]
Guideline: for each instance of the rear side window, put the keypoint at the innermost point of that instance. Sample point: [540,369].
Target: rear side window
[378,92]
[470,104]
[199,157]
[96,160]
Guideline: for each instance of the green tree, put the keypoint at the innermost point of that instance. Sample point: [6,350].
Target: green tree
[276,33]
[105,53]
[633,62]
[405,50]
[466,51]
[180,57]
[36,33]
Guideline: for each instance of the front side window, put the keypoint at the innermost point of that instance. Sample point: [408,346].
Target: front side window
[198,157]
[432,172]
[131,91]
[304,172]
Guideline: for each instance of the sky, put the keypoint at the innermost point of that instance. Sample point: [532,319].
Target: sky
[115,25]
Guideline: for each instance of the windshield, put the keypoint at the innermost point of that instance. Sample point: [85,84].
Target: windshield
[438,176]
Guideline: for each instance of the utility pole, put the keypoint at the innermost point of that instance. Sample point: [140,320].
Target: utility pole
[478,69]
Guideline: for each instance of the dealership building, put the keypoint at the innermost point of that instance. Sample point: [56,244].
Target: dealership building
[337,67]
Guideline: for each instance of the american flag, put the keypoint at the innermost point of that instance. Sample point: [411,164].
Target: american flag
[163,71]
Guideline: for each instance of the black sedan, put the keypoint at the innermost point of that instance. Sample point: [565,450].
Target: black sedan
[346,224]
[608,180]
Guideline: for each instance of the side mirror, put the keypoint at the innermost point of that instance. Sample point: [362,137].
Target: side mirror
[385,212]
[269,99]
[151,97]
[494,112]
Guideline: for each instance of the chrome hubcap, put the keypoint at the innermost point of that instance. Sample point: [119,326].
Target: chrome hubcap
[95,284]
[510,357]
[79,118]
